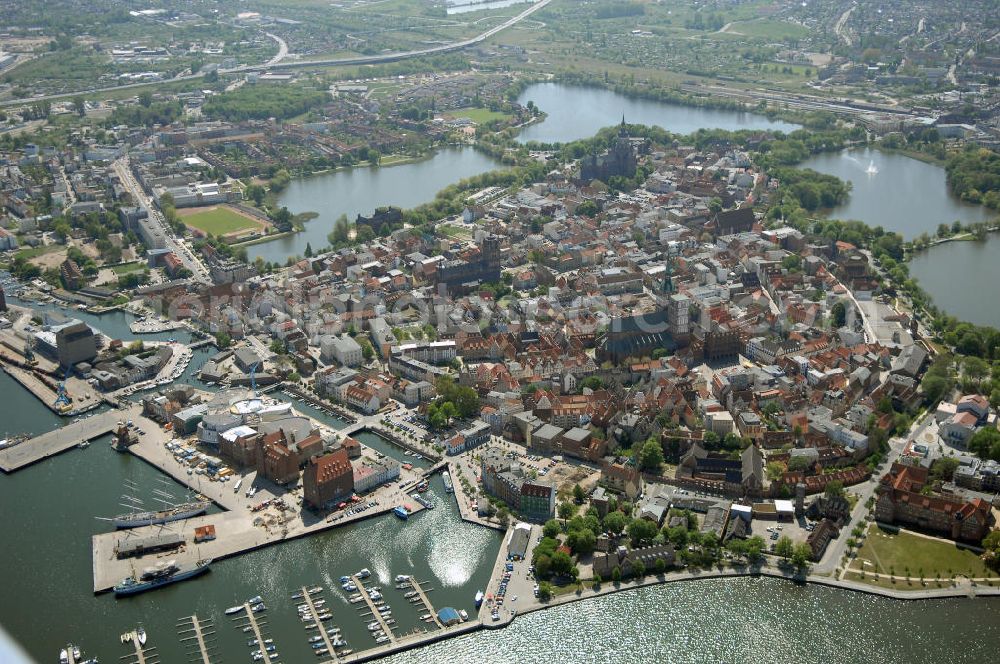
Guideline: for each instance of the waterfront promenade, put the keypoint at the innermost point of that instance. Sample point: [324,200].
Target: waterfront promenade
[464,501]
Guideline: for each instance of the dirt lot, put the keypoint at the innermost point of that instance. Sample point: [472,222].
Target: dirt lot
[51,259]
[566,476]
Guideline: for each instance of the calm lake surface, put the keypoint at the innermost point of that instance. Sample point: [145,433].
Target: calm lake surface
[961,278]
[576,112]
[466,6]
[361,190]
[894,191]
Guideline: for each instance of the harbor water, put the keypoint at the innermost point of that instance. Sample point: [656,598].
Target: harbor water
[50,511]
[745,621]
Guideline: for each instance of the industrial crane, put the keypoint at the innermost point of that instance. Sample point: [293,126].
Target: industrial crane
[63,401]
[253,377]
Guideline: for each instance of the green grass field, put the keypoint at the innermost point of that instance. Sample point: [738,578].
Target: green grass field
[478,115]
[768,29]
[218,221]
[28,253]
[126,268]
[892,553]
[452,231]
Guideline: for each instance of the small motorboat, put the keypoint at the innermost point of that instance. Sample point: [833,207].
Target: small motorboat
[141,635]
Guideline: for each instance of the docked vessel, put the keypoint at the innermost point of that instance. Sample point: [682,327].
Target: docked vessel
[153,518]
[161,575]
[446,476]
[479,599]
[401,512]
[423,501]
[72,653]
[12,440]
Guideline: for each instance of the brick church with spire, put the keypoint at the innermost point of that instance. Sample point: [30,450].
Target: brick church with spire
[619,160]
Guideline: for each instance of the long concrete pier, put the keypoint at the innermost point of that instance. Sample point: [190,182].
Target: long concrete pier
[239,529]
[235,534]
[59,440]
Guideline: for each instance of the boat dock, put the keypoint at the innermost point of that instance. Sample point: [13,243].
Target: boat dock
[59,440]
[374,609]
[141,655]
[410,641]
[255,626]
[197,635]
[314,612]
[422,594]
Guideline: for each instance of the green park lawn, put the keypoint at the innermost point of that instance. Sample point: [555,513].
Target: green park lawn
[478,115]
[27,253]
[892,553]
[219,221]
[126,268]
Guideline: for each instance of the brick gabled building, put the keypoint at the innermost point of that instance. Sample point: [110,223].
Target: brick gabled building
[901,501]
[276,462]
[327,479]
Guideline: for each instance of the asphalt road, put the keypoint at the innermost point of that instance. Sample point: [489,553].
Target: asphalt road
[277,63]
[180,249]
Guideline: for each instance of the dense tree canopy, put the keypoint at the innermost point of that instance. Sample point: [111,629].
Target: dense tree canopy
[974,175]
[263,100]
